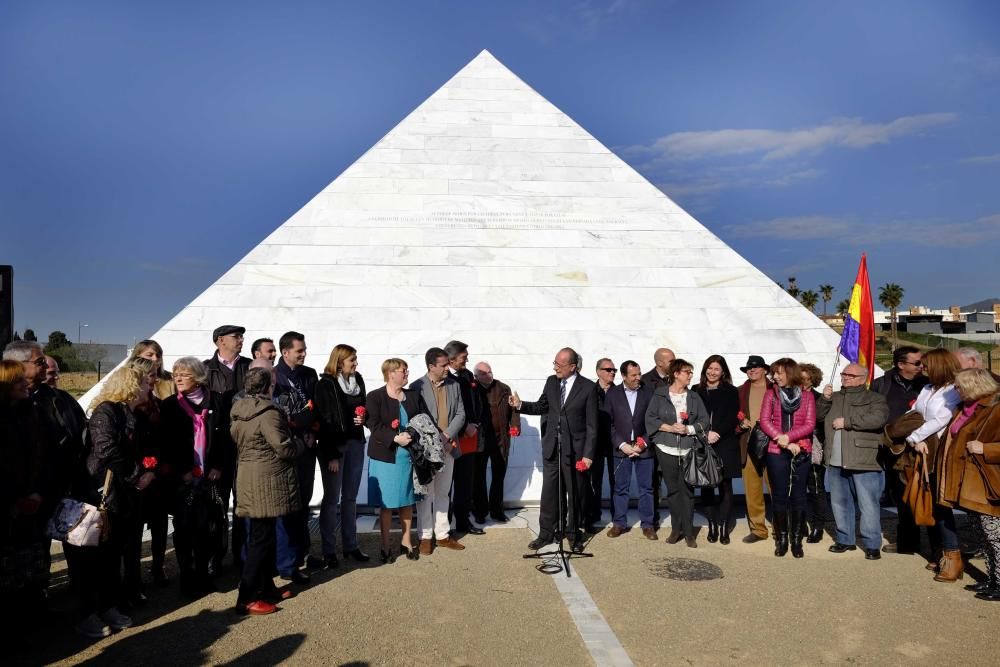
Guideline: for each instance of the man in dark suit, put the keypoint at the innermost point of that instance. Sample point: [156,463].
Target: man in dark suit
[603,456]
[470,442]
[656,377]
[626,404]
[569,402]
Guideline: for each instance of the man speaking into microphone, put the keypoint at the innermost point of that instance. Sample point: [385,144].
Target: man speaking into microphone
[569,404]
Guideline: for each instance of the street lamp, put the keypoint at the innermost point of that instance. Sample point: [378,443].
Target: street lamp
[79,327]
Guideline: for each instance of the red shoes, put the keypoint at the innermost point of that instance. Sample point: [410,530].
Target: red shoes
[257,608]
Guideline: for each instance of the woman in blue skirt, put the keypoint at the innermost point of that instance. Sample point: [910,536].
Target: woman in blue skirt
[390,470]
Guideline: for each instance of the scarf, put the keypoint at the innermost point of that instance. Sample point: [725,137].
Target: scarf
[791,400]
[963,416]
[200,434]
[350,385]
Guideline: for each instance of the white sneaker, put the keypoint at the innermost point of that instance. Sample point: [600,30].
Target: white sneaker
[116,619]
[93,627]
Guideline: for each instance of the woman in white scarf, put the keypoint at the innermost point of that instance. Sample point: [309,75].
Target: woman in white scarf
[340,411]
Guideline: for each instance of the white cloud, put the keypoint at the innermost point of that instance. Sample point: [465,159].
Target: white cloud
[800,228]
[853,231]
[850,133]
[981,159]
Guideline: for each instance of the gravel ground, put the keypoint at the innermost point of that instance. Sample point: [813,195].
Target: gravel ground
[488,606]
[824,608]
[481,606]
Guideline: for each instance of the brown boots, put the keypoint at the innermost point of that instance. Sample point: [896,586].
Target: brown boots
[951,566]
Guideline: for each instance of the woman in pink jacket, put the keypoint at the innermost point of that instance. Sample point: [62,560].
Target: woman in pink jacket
[788,417]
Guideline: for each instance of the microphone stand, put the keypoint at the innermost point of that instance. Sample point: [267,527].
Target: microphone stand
[558,560]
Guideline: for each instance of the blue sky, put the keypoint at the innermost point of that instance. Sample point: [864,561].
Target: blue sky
[145,147]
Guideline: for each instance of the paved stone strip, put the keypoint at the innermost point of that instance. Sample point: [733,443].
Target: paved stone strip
[597,635]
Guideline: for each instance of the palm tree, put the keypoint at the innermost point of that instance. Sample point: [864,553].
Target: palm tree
[827,292]
[843,307]
[809,299]
[891,295]
[792,288]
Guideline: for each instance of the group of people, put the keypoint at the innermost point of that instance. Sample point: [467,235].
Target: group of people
[184,443]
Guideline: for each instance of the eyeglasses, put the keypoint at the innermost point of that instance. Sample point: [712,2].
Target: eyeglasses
[687,371]
[608,370]
[918,364]
[851,375]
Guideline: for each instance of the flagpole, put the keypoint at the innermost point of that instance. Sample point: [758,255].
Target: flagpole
[836,365]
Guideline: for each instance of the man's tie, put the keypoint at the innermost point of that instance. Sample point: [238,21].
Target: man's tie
[562,393]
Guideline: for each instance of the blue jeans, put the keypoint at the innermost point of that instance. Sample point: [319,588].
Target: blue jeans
[339,508]
[290,544]
[861,489]
[623,478]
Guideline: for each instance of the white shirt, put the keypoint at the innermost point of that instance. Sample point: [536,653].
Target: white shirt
[630,395]
[569,384]
[680,405]
[937,406]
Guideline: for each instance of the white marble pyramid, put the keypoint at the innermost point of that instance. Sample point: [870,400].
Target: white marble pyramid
[489,216]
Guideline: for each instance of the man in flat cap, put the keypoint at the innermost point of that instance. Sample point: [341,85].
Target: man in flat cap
[751,395]
[226,373]
[227,369]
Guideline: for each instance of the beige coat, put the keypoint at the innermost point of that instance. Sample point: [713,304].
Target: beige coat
[266,481]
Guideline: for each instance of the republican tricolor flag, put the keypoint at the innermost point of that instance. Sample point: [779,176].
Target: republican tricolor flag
[857,343]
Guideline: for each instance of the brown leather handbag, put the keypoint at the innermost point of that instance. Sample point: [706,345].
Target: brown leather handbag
[918,494]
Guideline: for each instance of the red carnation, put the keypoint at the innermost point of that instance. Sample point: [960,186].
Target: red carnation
[912,403]
[640,442]
[515,431]
[740,415]
[149,462]
[309,405]
[581,466]
[197,471]
[684,416]
[395,423]
[360,411]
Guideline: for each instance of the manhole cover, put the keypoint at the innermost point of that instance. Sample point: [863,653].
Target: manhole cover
[683,569]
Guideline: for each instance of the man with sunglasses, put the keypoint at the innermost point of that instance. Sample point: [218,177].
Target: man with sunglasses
[603,456]
[900,386]
[853,419]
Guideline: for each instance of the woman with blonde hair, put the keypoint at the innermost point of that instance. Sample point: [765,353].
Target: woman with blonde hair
[390,468]
[340,410]
[937,403]
[968,468]
[124,435]
[150,349]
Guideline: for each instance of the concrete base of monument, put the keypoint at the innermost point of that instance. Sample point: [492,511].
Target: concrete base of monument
[636,602]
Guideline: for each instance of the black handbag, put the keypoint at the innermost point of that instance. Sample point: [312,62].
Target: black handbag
[702,464]
[758,442]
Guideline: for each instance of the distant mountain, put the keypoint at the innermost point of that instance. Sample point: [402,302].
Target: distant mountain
[985,304]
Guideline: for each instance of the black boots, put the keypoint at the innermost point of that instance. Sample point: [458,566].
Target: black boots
[798,523]
[780,533]
[724,533]
[713,531]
